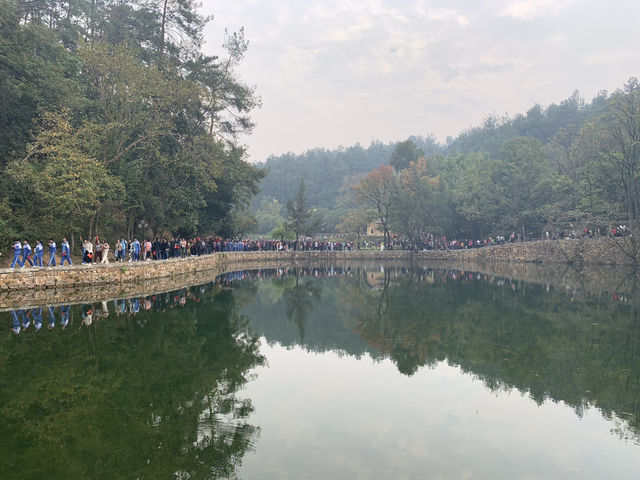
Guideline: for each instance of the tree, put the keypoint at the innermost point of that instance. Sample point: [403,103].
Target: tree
[512,191]
[63,183]
[269,216]
[180,28]
[416,207]
[375,192]
[524,184]
[618,147]
[405,153]
[37,74]
[244,222]
[144,103]
[355,222]
[281,232]
[298,214]
[226,101]
[479,199]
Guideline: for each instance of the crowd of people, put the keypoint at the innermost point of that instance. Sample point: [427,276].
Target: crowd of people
[34,256]
[99,251]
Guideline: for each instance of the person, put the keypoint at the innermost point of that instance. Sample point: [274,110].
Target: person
[64,309]
[116,252]
[17,250]
[87,315]
[105,253]
[37,318]
[38,254]
[147,250]
[135,249]
[123,249]
[98,250]
[52,253]
[87,251]
[66,252]
[26,254]
[15,327]
[52,318]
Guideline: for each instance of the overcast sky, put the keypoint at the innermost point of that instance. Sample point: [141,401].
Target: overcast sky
[338,72]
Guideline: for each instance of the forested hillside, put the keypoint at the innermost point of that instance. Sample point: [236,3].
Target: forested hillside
[113,121]
[574,162]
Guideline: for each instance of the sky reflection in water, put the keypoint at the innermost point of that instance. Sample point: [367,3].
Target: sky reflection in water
[340,373]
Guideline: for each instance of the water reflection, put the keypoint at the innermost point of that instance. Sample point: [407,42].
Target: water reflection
[133,388]
[148,386]
[579,347]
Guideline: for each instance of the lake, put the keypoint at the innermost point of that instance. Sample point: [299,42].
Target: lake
[338,372]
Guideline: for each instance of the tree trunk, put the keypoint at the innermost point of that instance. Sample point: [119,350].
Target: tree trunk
[163,27]
[90,233]
[73,236]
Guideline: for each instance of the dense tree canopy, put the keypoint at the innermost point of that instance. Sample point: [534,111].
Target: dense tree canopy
[570,165]
[113,118]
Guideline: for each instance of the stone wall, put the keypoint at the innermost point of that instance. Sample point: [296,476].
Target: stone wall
[595,251]
[531,261]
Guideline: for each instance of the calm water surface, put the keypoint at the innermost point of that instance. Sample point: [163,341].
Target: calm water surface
[327,373]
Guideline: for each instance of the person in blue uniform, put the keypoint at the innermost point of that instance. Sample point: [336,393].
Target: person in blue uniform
[52,318]
[135,249]
[52,253]
[66,252]
[38,253]
[15,324]
[64,316]
[25,319]
[123,249]
[17,250]
[26,254]
[36,313]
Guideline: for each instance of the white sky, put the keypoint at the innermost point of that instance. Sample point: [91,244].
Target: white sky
[338,72]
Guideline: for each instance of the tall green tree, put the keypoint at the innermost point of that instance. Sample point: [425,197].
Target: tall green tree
[404,154]
[512,191]
[269,216]
[59,181]
[419,204]
[298,215]
[37,74]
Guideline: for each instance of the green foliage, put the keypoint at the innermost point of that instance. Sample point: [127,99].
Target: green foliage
[37,75]
[571,162]
[580,348]
[420,205]
[404,154]
[323,171]
[147,396]
[355,222]
[60,178]
[376,193]
[269,216]
[282,232]
[299,218]
[144,110]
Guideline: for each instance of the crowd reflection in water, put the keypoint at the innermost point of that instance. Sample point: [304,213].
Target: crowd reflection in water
[23,319]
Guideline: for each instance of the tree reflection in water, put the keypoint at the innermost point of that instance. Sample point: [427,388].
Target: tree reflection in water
[131,394]
[148,387]
[579,347]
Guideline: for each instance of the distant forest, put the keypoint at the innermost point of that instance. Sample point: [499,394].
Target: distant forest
[574,163]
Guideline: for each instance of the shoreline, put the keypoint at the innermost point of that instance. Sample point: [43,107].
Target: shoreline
[535,262]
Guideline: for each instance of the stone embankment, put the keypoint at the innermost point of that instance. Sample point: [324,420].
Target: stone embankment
[597,261]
